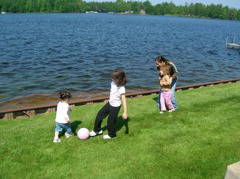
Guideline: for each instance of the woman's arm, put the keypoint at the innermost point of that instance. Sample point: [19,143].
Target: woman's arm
[174,75]
[174,70]
[124,102]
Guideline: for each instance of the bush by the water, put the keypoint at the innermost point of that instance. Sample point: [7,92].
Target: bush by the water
[121,6]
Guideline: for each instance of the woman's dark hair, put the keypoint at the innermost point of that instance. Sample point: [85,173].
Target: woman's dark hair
[119,77]
[65,95]
[161,59]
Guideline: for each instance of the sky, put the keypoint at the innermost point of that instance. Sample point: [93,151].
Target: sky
[229,3]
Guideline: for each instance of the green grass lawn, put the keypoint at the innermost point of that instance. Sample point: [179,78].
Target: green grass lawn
[198,141]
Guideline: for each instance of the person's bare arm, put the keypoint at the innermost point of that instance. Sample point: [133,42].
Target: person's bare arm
[124,102]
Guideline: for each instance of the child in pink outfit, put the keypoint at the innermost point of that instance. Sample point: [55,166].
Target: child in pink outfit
[165,83]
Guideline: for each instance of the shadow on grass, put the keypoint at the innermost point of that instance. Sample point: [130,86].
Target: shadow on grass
[156,99]
[119,125]
[74,126]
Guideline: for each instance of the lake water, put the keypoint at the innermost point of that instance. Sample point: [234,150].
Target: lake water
[41,54]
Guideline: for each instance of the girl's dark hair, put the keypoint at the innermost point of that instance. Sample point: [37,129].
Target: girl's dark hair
[65,95]
[119,77]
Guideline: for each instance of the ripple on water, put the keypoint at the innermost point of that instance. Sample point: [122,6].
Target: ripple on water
[79,52]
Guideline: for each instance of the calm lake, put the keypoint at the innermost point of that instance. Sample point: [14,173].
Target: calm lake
[41,54]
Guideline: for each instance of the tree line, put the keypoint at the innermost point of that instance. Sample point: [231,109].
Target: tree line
[80,6]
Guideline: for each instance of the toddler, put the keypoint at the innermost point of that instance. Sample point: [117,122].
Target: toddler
[165,83]
[62,116]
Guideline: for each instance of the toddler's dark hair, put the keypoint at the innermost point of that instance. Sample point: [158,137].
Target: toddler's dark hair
[166,70]
[65,95]
[119,77]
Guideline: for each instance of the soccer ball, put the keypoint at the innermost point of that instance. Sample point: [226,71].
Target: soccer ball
[83,133]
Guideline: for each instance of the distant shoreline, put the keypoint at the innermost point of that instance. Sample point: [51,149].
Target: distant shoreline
[166,15]
[214,11]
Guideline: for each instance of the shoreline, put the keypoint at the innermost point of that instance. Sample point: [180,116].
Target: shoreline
[44,99]
[34,110]
[122,13]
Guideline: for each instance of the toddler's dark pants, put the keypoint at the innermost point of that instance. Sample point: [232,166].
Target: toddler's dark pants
[112,113]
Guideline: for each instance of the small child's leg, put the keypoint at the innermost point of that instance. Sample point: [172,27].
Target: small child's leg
[162,101]
[68,130]
[104,111]
[167,97]
[56,135]
[112,118]
[58,129]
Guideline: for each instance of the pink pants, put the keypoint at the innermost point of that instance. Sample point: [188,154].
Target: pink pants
[166,97]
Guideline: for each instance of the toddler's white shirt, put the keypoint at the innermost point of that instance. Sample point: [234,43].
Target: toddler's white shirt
[115,94]
[63,112]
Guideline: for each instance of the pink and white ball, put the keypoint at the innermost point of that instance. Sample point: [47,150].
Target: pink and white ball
[83,133]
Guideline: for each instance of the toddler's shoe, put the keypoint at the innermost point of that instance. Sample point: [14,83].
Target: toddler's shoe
[56,140]
[92,133]
[171,110]
[161,112]
[106,137]
[67,135]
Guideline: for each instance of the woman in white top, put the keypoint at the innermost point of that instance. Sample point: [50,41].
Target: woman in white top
[112,108]
[63,116]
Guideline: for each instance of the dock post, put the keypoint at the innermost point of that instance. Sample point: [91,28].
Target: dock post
[233,171]
[226,40]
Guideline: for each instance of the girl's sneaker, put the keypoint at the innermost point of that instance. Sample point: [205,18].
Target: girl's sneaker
[92,133]
[67,135]
[108,137]
[161,112]
[56,140]
[171,110]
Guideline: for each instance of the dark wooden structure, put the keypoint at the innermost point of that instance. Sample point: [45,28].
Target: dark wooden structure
[31,111]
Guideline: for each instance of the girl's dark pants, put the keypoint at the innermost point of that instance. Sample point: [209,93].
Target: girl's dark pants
[112,113]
